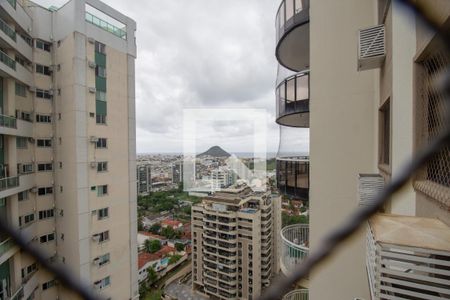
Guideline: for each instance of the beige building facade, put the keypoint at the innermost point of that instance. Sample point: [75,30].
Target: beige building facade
[371,107]
[234,243]
[68,147]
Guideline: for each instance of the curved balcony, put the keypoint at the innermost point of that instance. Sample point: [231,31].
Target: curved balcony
[293,177]
[294,246]
[297,295]
[292,96]
[292,30]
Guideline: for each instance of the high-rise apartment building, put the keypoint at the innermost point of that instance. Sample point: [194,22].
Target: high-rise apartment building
[371,103]
[67,147]
[177,172]
[234,243]
[144,178]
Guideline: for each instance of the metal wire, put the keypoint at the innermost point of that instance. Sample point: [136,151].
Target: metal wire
[358,218]
[329,243]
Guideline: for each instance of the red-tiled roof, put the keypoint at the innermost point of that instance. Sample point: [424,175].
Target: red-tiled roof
[145,257]
[152,235]
[171,223]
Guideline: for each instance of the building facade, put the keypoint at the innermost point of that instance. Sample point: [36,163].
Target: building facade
[144,178]
[234,243]
[372,105]
[67,152]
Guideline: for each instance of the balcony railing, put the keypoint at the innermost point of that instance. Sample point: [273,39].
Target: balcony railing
[292,96]
[8,183]
[293,177]
[90,18]
[294,246]
[4,58]
[7,30]
[5,246]
[297,295]
[292,34]
[7,121]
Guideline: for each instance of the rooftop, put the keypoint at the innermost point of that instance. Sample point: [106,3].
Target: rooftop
[144,257]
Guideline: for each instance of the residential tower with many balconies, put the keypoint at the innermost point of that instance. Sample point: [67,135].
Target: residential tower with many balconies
[67,147]
[235,243]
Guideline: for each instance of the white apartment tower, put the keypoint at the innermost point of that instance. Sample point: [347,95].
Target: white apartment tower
[372,104]
[67,156]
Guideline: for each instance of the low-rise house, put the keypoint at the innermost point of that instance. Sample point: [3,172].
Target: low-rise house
[174,224]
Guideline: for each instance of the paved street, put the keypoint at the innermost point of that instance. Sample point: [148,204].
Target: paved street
[182,291]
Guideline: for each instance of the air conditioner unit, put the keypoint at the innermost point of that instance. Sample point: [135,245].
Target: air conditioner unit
[96,261]
[92,90]
[32,89]
[91,64]
[96,238]
[91,40]
[34,190]
[93,139]
[369,186]
[371,47]
[50,92]
[31,140]
[93,164]
[50,68]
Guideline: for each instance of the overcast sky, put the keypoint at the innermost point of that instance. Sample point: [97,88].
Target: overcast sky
[201,54]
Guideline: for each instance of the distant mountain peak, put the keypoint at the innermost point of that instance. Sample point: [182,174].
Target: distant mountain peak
[215,151]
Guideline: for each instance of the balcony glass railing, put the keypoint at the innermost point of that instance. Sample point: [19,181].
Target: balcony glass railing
[294,247]
[286,14]
[90,18]
[297,295]
[5,246]
[292,96]
[8,183]
[7,30]
[293,177]
[4,58]
[7,121]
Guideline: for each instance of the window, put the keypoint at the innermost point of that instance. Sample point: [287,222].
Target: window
[101,143]
[25,168]
[44,94]
[22,196]
[100,95]
[46,214]
[102,190]
[44,142]
[45,167]
[100,48]
[42,191]
[47,238]
[385,133]
[102,166]
[100,72]
[24,220]
[43,118]
[102,260]
[21,142]
[44,70]
[102,213]
[29,270]
[102,236]
[48,284]
[20,60]
[26,116]
[101,284]
[100,119]
[430,121]
[21,90]
[43,45]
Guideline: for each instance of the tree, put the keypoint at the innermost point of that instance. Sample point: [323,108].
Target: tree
[174,258]
[139,224]
[155,228]
[151,246]
[179,247]
[170,233]
[152,276]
